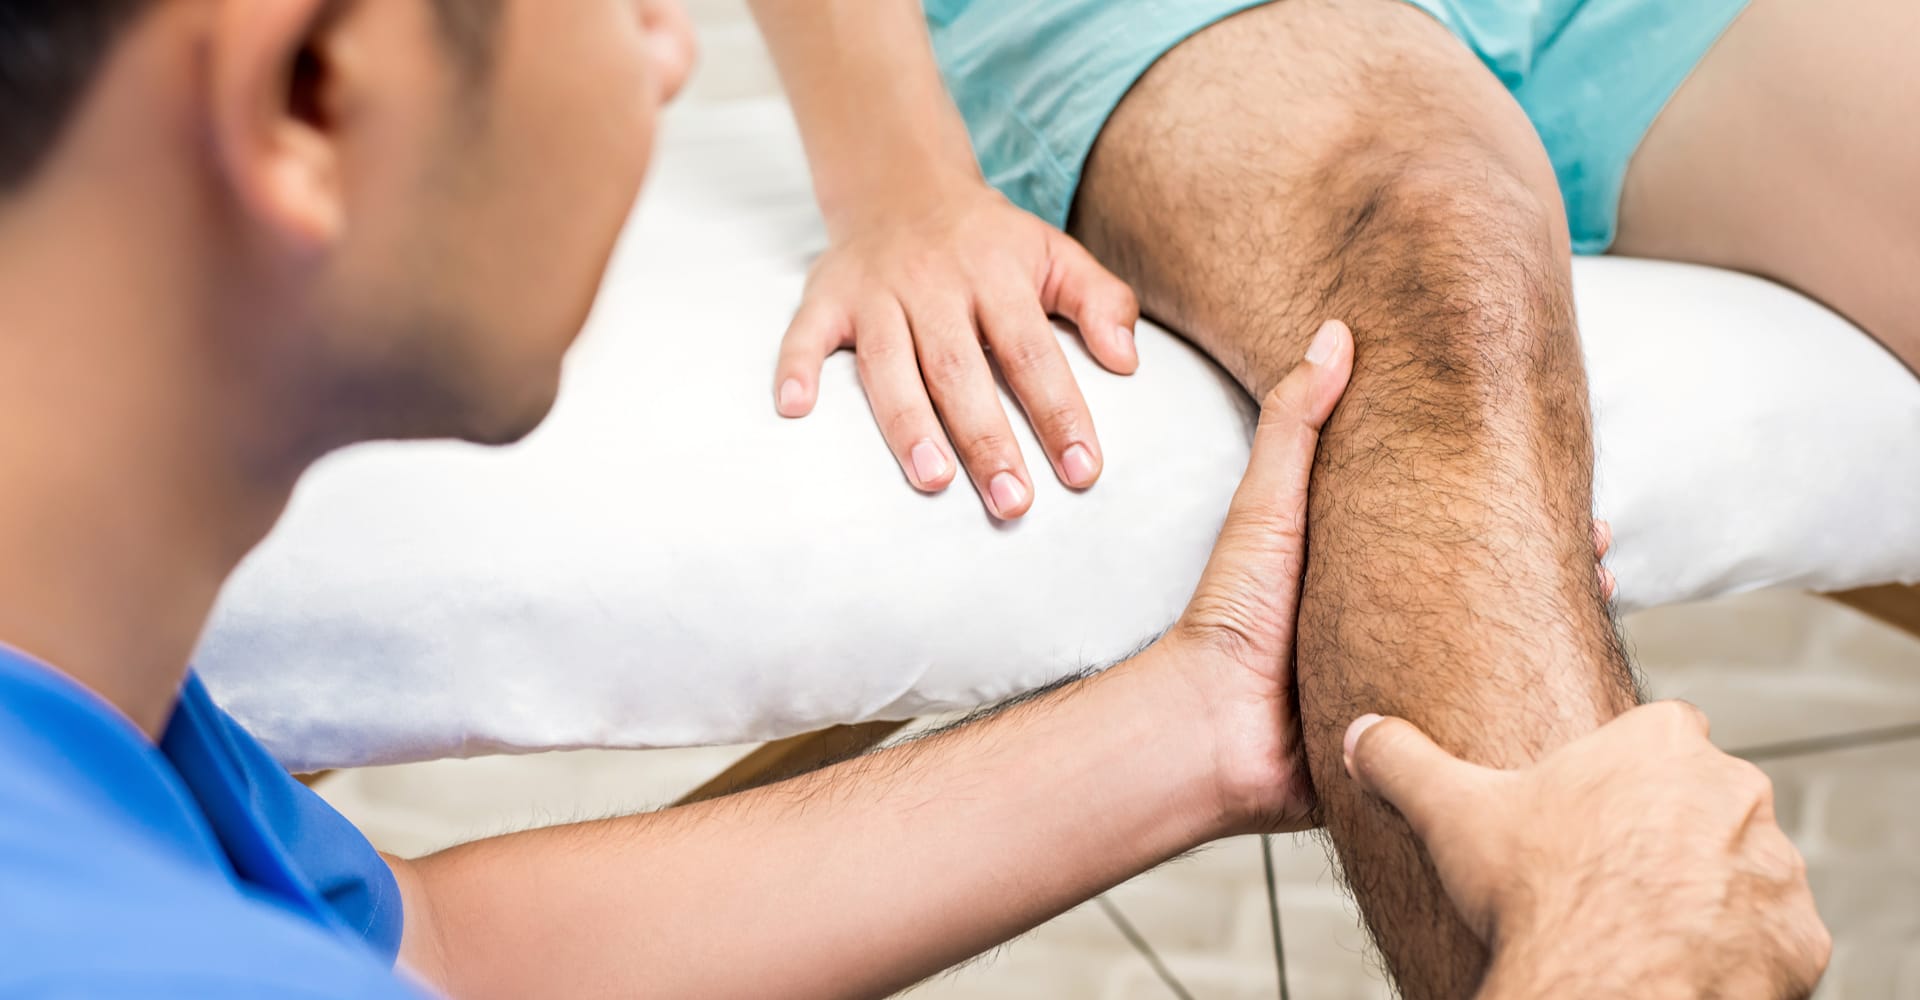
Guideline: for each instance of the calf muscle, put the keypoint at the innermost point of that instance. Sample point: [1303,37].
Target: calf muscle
[1451,578]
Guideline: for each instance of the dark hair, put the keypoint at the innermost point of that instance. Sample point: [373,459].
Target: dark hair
[51,50]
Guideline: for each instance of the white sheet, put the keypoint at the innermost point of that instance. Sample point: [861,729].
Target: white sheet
[668,563]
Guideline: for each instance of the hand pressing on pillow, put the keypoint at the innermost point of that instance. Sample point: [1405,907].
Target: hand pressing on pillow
[932,278]
[931,288]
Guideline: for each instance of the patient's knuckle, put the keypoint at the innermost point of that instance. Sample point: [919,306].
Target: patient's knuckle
[1029,352]
[919,270]
[878,353]
[902,423]
[1058,418]
[946,366]
[986,444]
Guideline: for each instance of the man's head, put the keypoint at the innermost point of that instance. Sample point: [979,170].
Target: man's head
[389,217]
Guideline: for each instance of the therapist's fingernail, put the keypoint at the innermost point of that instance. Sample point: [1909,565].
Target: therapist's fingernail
[793,397]
[1321,350]
[1077,463]
[1007,494]
[1360,725]
[1125,336]
[929,463]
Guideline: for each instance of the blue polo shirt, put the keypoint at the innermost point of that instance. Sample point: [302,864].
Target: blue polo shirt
[197,868]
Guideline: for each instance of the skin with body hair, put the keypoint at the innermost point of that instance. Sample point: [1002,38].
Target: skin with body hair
[1451,514]
[339,231]
[1353,158]
[1453,582]
[1713,838]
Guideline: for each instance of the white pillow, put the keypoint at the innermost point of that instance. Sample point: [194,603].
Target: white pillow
[669,563]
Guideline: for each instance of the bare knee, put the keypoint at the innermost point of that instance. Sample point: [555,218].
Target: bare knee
[1451,270]
[1249,196]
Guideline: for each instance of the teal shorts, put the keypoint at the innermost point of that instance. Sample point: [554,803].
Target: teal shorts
[1037,80]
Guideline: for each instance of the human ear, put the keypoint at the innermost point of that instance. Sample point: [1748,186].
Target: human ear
[273,116]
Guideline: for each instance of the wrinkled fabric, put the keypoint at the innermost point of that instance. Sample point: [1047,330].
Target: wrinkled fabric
[1038,79]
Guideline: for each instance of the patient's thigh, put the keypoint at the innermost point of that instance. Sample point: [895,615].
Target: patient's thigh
[1794,153]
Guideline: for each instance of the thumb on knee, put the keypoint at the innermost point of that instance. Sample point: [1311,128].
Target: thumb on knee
[1291,417]
[1305,398]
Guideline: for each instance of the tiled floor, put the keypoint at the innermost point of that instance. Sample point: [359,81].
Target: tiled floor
[1768,667]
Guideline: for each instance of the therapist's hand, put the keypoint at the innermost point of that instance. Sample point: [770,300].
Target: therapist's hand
[999,824]
[1235,640]
[1639,857]
[924,284]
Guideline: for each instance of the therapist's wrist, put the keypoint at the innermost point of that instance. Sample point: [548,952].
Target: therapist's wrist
[1243,736]
[1578,952]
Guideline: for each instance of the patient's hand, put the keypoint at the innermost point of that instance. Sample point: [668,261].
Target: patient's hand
[922,286]
[1640,857]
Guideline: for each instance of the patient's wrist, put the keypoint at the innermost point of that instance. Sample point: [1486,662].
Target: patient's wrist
[900,191]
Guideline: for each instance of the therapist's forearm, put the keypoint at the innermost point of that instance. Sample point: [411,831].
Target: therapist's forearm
[857,880]
[1568,968]
[875,115]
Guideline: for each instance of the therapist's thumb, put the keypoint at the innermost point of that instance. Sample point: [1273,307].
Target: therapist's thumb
[1251,587]
[1294,411]
[1395,761]
[1265,533]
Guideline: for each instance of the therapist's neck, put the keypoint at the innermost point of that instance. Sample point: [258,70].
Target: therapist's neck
[136,475]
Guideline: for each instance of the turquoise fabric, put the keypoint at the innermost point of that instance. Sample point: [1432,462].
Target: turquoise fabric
[1037,79]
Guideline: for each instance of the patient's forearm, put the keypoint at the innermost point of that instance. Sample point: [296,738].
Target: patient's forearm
[867,92]
[857,880]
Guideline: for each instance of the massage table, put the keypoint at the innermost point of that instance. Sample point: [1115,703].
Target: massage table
[668,563]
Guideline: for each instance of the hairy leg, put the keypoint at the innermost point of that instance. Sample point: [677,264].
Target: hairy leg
[1348,159]
[1792,153]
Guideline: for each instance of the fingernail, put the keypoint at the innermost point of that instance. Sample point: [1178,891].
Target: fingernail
[1322,347]
[1360,725]
[1007,493]
[929,463]
[793,396]
[1125,336]
[1077,463]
